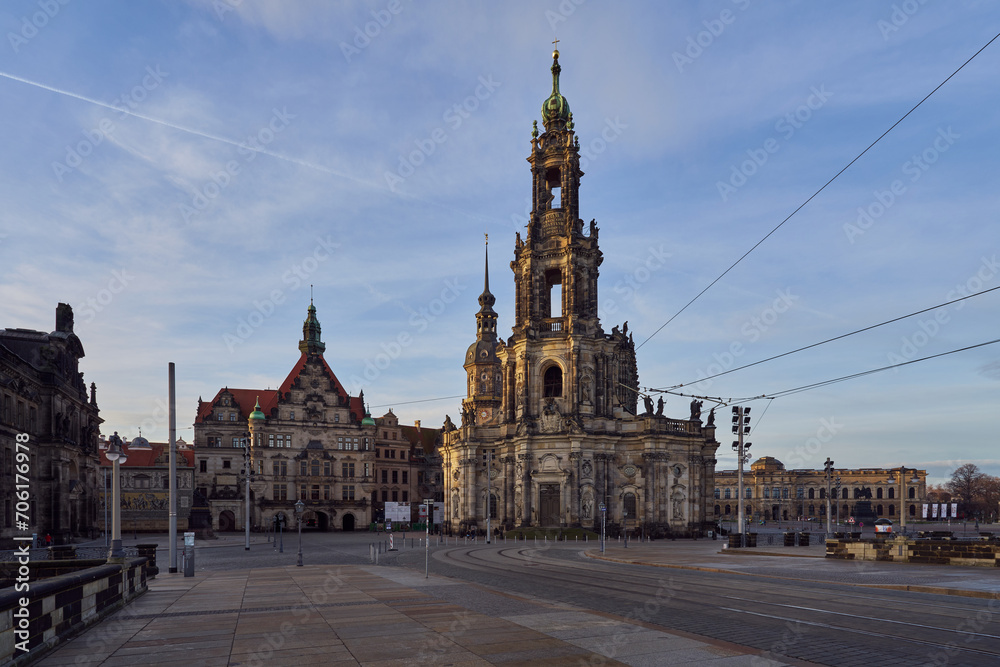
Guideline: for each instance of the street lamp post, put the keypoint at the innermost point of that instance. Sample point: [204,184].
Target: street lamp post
[429,503]
[625,525]
[247,473]
[828,466]
[116,454]
[299,507]
[604,513]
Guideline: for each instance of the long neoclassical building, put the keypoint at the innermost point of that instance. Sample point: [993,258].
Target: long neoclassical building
[550,428]
[773,493]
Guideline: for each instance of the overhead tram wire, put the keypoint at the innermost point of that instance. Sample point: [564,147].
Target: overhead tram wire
[422,400]
[830,340]
[844,378]
[813,196]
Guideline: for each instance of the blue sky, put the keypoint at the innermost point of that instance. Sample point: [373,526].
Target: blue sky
[365,148]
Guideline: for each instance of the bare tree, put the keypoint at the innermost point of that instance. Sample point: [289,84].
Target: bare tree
[967,484]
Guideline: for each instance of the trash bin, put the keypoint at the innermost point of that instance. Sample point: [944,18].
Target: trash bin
[803,539]
[734,540]
[789,539]
[751,539]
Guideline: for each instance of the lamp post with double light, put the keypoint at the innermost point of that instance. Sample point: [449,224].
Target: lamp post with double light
[117,455]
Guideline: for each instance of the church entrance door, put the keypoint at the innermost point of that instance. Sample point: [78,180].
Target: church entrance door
[548,504]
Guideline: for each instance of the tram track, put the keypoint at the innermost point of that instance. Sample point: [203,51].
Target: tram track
[897,624]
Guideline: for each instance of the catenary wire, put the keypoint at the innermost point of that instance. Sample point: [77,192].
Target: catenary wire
[843,378]
[813,196]
[830,340]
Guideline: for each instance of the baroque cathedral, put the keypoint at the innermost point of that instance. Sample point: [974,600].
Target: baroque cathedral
[550,429]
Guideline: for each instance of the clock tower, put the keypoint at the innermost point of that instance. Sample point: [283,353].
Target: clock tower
[482,367]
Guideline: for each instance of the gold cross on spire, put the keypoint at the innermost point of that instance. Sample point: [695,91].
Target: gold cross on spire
[555,42]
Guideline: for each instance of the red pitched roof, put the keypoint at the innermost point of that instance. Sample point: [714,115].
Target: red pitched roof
[245,399]
[146,458]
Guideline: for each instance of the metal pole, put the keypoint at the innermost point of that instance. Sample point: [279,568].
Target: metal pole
[427,542]
[172,538]
[902,500]
[107,533]
[247,463]
[739,485]
[829,471]
[116,513]
[299,521]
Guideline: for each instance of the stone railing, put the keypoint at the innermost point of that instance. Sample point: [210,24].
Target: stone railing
[41,614]
[60,597]
[903,549]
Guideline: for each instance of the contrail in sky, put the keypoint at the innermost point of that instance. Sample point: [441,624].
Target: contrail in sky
[224,140]
[189,130]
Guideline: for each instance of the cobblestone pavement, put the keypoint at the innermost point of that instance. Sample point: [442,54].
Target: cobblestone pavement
[351,615]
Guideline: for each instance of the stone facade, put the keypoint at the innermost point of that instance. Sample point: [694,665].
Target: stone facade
[773,493]
[550,428]
[310,440]
[43,395]
[145,486]
[407,466]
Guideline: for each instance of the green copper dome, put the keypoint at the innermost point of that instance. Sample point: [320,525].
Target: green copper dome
[367,421]
[257,414]
[555,110]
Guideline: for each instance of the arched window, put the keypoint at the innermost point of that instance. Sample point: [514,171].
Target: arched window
[728,494]
[494,501]
[878,493]
[630,505]
[718,493]
[892,493]
[843,494]
[812,494]
[912,493]
[767,492]
[552,382]
[822,494]
[913,510]
[748,492]
[892,510]
[812,510]
[716,510]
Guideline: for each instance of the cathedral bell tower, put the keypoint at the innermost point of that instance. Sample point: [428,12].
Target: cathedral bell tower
[482,367]
[556,266]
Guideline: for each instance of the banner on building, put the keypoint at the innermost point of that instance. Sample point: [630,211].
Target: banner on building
[925,511]
[954,510]
[934,511]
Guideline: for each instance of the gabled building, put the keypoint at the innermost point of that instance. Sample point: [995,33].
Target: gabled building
[550,429]
[44,399]
[311,440]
